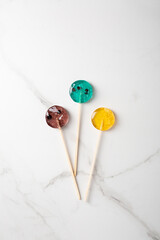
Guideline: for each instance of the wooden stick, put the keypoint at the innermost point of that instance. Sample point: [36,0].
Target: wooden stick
[93,164]
[69,161]
[77,139]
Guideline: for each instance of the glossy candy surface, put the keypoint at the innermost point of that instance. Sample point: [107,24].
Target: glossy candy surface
[81,91]
[103,118]
[57,116]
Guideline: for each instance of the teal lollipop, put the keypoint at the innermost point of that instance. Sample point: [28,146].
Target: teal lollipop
[81,92]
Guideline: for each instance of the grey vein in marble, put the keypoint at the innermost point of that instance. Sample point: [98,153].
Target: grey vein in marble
[113,196]
[148,159]
[31,86]
[60,176]
[97,174]
[33,89]
[26,201]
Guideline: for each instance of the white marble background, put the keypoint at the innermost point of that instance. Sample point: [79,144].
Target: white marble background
[45,45]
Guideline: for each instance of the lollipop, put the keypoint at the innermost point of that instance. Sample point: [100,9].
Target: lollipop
[102,119]
[58,117]
[80,91]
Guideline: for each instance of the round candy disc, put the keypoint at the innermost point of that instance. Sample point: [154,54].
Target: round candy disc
[81,91]
[57,116]
[103,119]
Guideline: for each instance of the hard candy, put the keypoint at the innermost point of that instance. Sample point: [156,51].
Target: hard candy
[57,116]
[103,119]
[81,91]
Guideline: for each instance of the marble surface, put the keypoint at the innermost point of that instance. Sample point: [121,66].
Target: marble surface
[45,45]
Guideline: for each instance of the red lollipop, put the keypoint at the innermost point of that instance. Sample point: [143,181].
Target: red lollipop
[58,117]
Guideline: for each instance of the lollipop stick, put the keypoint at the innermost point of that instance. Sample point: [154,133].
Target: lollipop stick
[69,161]
[93,165]
[77,140]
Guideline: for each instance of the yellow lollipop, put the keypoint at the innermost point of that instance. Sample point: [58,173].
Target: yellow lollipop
[102,119]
